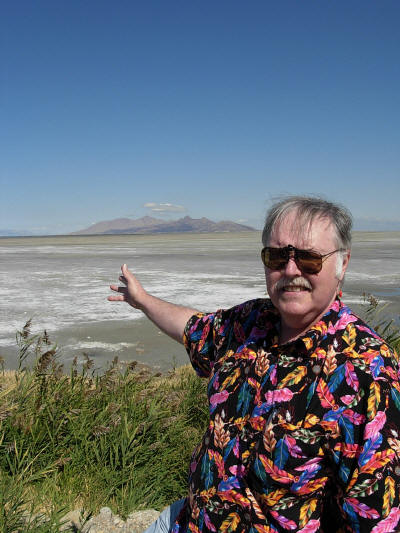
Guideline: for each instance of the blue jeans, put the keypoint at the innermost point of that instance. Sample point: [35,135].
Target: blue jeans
[165,521]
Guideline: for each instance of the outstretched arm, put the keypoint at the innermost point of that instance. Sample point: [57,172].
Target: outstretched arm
[170,318]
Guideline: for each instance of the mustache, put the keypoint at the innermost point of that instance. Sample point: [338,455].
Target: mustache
[293,282]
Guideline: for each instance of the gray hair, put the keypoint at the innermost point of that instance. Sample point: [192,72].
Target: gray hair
[309,208]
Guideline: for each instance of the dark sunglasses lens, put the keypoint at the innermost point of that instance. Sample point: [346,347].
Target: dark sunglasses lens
[274,258]
[309,262]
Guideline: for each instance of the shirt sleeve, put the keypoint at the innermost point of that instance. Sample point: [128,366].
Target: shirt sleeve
[366,449]
[207,335]
[198,338]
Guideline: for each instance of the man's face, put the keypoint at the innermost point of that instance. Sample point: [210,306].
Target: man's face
[301,305]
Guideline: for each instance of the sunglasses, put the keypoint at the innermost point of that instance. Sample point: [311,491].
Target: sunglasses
[307,261]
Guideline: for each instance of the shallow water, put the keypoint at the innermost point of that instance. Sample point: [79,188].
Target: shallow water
[62,283]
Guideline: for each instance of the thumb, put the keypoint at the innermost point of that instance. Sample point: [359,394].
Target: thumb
[125,271]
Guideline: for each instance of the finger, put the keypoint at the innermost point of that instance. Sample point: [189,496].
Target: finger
[126,273]
[118,288]
[116,298]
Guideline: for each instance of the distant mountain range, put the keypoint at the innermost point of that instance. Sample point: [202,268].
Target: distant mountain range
[14,233]
[148,225]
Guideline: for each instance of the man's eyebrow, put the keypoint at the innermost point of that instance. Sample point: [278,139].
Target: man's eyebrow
[306,248]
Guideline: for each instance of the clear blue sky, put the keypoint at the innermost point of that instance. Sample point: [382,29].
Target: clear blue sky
[205,108]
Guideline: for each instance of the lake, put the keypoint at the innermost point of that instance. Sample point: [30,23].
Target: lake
[62,283]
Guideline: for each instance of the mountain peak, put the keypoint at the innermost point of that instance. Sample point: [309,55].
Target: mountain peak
[150,225]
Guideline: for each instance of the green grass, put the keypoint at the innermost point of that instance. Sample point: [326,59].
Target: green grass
[120,439]
[385,327]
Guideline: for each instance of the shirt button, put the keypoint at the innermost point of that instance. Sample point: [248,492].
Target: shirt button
[316,369]
[397,470]
[335,407]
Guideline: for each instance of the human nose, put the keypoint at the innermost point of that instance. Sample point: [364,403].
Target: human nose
[291,268]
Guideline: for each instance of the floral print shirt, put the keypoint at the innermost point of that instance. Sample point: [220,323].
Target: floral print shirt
[303,437]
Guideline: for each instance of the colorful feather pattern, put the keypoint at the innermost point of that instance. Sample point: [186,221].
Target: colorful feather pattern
[389,524]
[230,523]
[281,453]
[354,417]
[217,398]
[310,487]
[269,440]
[374,399]
[231,379]
[276,473]
[306,511]
[336,378]
[234,497]
[208,523]
[255,504]
[260,528]
[278,396]
[286,523]
[293,377]
[293,448]
[206,472]
[324,394]
[330,361]
[352,517]
[369,448]
[348,450]
[351,376]
[362,509]
[377,364]
[274,497]
[228,483]
[219,462]
[244,398]
[311,527]
[396,398]
[377,461]
[374,426]
[388,496]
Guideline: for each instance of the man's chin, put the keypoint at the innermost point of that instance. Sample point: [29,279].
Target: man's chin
[295,305]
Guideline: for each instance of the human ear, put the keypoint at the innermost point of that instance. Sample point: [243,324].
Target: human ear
[345,256]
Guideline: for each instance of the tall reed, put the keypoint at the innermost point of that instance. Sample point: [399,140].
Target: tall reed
[86,440]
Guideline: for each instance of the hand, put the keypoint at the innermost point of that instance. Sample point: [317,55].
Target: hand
[133,292]
[170,318]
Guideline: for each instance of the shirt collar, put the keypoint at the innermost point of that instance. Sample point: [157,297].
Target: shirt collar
[309,341]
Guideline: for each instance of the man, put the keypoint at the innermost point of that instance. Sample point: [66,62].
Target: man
[304,397]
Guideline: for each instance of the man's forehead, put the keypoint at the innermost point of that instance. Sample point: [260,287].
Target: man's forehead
[303,229]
